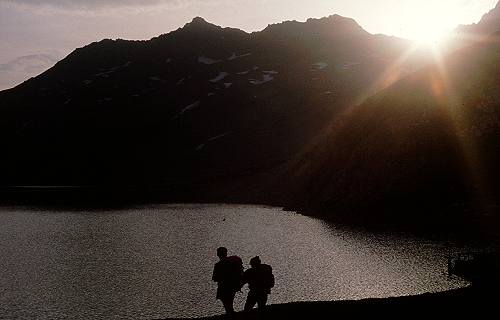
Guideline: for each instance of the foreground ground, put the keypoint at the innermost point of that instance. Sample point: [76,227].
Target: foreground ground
[472,303]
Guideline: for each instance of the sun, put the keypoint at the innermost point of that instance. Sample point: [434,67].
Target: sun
[427,23]
[430,38]
[431,34]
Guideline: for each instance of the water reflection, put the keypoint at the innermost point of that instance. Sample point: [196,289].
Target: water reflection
[156,262]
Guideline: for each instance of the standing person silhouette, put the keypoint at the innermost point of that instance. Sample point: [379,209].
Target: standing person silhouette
[260,280]
[228,274]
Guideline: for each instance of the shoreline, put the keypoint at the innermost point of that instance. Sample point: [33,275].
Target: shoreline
[82,198]
[452,298]
[457,302]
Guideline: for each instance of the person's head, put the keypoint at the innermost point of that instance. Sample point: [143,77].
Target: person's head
[255,262]
[221,252]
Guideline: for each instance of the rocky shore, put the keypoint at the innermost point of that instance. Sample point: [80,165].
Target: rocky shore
[470,302]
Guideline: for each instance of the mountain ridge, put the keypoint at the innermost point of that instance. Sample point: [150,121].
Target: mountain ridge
[421,152]
[198,100]
[489,24]
[212,114]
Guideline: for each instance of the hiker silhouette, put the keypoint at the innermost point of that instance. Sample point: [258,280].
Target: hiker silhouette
[228,274]
[260,280]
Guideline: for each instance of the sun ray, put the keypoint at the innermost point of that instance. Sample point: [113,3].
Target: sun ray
[388,77]
[446,95]
[467,39]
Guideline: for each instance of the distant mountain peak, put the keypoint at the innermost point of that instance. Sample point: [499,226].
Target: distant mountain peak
[334,18]
[199,20]
[333,23]
[489,23]
[492,16]
[338,21]
[200,23]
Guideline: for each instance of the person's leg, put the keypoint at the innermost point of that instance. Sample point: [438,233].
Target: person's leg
[251,301]
[228,301]
[261,301]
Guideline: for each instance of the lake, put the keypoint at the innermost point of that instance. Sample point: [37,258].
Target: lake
[156,261]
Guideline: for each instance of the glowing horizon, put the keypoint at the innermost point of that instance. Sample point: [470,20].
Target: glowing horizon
[35,33]
[429,22]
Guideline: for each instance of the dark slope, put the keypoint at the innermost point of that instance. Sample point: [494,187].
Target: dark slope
[206,111]
[422,151]
[467,302]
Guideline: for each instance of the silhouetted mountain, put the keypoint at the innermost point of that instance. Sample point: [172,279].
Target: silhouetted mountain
[208,112]
[489,24]
[427,143]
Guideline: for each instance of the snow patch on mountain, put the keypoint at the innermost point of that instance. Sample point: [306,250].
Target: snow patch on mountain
[320,65]
[103,74]
[203,145]
[107,71]
[190,107]
[265,78]
[234,56]
[103,100]
[206,60]
[349,64]
[219,77]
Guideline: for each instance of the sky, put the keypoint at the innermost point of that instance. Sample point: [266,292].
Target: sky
[35,34]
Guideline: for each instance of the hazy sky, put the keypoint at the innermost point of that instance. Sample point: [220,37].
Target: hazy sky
[36,33]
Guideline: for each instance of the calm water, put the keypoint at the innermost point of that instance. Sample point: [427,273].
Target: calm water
[154,262]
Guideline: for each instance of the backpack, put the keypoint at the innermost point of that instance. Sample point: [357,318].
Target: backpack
[235,269]
[267,276]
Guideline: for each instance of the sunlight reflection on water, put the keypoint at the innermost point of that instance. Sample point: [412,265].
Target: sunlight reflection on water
[156,262]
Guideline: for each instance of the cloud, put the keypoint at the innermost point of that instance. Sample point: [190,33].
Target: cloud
[93,4]
[29,63]
[19,69]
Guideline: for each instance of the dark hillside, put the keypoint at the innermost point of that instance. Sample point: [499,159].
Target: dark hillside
[205,112]
[421,151]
